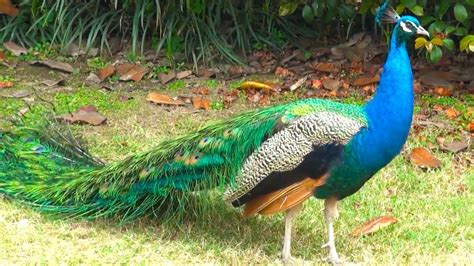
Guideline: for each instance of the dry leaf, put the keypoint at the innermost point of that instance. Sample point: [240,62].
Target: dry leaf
[7,8]
[200,102]
[247,85]
[2,56]
[51,83]
[122,69]
[14,48]
[451,113]
[470,127]
[442,91]
[157,98]
[6,84]
[206,73]
[61,66]
[366,80]
[230,98]
[200,90]
[374,225]
[86,114]
[423,158]
[454,147]
[331,84]
[316,84]
[93,78]
[106,72]
[298,83]
[326,67]
[184,74]
[134,73]
[283,72]
[166,77]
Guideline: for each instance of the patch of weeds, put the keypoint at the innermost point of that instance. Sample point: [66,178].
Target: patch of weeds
[176,85]
[40,50]
[96,63]
[307,55]
[6,78]
[217,105]
[159,69]
[235,84]
[104,101]
[132,57]
[212,84]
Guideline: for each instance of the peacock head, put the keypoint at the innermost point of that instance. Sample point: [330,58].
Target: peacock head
[405,26]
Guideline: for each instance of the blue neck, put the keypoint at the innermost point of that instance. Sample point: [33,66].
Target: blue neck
[390,110]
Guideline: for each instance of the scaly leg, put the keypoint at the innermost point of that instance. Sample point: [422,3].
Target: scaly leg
[330,215]
[290,214]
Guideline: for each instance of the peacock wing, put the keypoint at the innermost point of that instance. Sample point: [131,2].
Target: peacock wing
[306,148]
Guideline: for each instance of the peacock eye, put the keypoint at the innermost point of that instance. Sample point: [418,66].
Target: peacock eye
[408,26]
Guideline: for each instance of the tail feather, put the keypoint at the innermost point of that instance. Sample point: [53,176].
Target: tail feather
[50,170]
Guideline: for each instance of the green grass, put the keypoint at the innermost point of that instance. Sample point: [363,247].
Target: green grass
[434,208]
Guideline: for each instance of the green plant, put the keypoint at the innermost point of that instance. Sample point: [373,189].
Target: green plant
[96,63]
[176,85]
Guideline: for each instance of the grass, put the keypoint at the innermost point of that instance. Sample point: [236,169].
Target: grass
[434,208]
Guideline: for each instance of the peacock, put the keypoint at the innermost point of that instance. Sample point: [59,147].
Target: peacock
[266,161]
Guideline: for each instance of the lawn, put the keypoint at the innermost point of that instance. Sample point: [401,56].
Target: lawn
[434,207]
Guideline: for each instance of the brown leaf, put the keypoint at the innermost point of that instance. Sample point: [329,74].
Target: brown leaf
[106,72]
[236,71]
[331,84]
[61,66]
[442,91]
[374,225]
[2,56]
[157,98]
[6,7]
[51,83]
[454,147]
[166,77]
[298,83]
[283,72]
[200,102]
[6,84]
[326,67]
[184,74]
[200,90]
[366,80]
[134,73]
[451,113]
[230,98]
[122,69]
[316,84]
[423,158]
[206,73]
[86,114]
[14,48]
[93,78]
[470,127]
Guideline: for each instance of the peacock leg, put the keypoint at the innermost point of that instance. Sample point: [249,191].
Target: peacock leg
[290,214]
[330,215]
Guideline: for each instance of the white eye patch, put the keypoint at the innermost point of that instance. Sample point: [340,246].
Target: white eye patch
[408,26]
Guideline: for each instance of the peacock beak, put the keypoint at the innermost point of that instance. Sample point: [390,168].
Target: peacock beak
[420,30]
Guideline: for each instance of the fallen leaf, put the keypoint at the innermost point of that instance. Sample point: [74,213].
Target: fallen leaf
[442,91]
[86,114]
[157,98]
[454,147]
[134,73]
[366,80]
[93,78]
[331,84]
[374,225]
[470,127]
[298,83]
[201,90]
[326,67]
[230,98]
[451,113]
[423,158]
[184,74]
[7,8]
[61,66]
[14,48]
[200,102]
[206,73]
[236,71]
[255,85]
[166,77]
[51,83]
[6,84]
[122,69]
[105,72]
[283,72]
[2,56]
[316,84]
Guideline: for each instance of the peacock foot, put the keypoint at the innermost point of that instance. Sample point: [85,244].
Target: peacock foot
[292,261]
[333,257]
